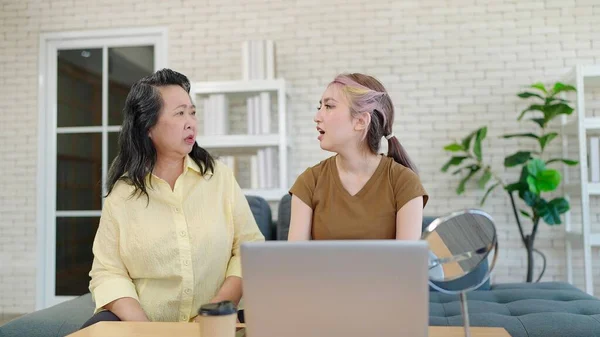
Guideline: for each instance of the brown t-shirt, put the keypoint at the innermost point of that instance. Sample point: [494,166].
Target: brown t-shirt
[370,213]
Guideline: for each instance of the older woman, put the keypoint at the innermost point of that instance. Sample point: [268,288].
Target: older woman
[174,218]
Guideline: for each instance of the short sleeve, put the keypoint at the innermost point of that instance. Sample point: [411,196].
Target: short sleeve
[407,186]
[109,277]
[244,224]
[304,187]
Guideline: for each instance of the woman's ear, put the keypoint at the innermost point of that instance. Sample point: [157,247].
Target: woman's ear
[362,121]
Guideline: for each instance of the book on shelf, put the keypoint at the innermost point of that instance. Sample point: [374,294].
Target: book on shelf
[258,63]
[216,115]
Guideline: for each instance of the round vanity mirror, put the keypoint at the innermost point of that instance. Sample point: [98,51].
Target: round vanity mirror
[459,247]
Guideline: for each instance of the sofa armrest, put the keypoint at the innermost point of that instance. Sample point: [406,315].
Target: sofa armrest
[57,321]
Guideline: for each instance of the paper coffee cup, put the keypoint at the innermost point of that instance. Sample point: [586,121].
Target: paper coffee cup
[217,319]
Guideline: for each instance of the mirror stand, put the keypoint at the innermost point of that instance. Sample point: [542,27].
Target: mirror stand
[465,313]
[460,245]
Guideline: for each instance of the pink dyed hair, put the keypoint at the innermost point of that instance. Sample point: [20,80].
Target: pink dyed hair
[367,94]
[360,97]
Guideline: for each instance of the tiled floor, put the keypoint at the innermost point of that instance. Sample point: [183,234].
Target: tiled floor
[5,318]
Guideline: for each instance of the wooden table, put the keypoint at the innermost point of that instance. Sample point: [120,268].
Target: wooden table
[161,329]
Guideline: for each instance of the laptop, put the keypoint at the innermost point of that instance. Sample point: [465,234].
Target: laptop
[336,288]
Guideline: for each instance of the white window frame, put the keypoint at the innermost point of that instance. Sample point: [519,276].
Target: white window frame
[50,43]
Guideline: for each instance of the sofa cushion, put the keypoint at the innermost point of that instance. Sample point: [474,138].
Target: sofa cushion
[523,309]
[283,217]
[262,214]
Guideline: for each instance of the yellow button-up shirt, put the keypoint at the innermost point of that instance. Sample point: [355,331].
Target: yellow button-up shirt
[173,253]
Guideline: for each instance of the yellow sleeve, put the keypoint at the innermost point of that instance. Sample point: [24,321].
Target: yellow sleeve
[109,277]
[245,228]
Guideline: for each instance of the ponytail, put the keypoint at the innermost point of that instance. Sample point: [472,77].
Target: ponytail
[396,151]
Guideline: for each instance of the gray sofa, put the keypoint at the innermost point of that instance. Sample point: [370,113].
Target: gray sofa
[523,309]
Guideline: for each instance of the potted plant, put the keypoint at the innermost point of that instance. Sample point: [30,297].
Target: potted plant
[537,177]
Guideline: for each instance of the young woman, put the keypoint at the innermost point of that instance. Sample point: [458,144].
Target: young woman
[357,193]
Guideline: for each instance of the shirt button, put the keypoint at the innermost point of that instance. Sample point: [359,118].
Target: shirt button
[188,291]
[186,263]
[182,233]
[176,209]
[184,317]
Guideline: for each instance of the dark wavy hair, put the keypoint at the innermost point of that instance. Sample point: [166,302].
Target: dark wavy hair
[137,156]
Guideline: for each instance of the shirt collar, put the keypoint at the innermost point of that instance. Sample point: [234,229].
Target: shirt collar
[191,164]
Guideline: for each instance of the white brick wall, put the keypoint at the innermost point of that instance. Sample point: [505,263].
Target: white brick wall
[450,67]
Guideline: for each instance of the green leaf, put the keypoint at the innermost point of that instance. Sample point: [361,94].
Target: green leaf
[529,94]
[560,87]
[551,111]
[544,181]
[529,198]
[525,214]
[539,121]
[531,183]
[545,139]
[533,107]
[457,160]
[466,142]
[548,212]
[568,162]
[460,170]
[515,187]
[523,176]
[561,204]
[481,133]
[487,193]
[557,100]
[517,158]
[541,179]
[485,178]
[522,135]
[548,180]
[461,186]
[539,86]
[454,147]
[535,166]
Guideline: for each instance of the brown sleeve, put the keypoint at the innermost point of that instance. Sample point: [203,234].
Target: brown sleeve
[407,186]
[304,187]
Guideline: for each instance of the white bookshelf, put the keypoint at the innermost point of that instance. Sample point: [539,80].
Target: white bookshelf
[238,86]
[590,124]
[238,141]
[245,143]
[580,126]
